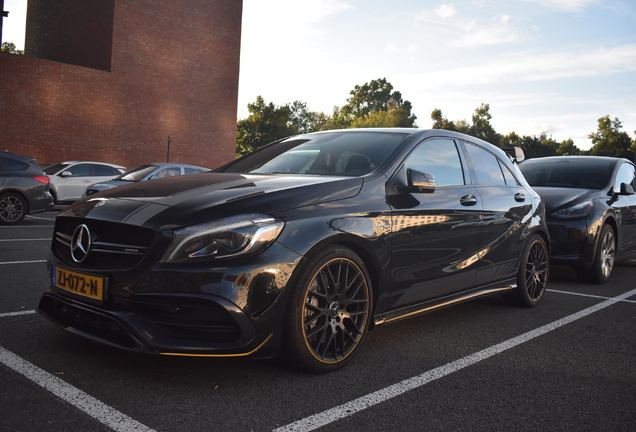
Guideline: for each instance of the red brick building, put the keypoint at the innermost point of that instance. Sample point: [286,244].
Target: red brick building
[111,80]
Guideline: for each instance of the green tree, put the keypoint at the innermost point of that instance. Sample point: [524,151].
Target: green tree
[608,140]
[567,147]
[266,123]
[370,99]
[10,48]
[482,128]
[306,121]
[538,146]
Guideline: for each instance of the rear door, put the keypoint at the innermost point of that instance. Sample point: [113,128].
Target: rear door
[507,206]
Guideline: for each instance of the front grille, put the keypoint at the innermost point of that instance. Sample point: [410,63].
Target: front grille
[190,318]
[115,246]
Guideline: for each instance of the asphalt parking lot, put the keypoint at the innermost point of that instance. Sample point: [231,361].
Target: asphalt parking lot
[567,365]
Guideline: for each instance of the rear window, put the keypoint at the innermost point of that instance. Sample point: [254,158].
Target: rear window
[568,173]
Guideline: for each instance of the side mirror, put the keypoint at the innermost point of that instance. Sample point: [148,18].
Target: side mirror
[418,182]
[515,153]
[626,189]
[66,174]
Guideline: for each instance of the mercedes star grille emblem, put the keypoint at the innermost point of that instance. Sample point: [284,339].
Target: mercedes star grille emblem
[80,243]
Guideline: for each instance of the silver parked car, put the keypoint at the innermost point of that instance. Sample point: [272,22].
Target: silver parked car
[70,179]
[145,172]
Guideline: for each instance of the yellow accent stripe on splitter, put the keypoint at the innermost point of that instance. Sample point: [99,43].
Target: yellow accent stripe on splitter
[220,355]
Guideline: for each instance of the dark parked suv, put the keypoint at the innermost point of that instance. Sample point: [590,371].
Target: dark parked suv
[24,188]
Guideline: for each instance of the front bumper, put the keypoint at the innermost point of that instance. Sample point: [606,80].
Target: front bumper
[165,324]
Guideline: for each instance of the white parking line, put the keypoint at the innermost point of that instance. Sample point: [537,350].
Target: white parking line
[41,218]
[587,295]
[25,226]
[15,240]
[22,262]
[76,397]
[377,397]
[10,314]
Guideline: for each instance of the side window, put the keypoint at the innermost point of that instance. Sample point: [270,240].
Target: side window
[485,166]
[81,170]
[167,172]
[192,170]
[510,179]
[625,175]
[12,165]
[103,171]
[440,158]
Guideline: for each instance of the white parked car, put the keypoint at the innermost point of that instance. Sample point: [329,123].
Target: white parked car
[70,179]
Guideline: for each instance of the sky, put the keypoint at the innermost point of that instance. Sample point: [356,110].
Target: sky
[553,66]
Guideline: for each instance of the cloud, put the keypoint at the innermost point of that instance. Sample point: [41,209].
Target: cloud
[576,6]
[392,47]
[496,33]
[538,67]
[446,10]
[292,17]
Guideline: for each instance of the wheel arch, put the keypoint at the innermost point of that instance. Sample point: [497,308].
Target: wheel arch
[371,264]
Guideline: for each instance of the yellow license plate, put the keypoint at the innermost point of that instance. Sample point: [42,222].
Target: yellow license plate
[78,283]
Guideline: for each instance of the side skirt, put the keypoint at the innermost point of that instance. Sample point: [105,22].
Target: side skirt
[420,308]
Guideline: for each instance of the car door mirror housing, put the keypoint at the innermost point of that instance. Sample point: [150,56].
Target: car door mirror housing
[418,182]
[626,189]
[66,174]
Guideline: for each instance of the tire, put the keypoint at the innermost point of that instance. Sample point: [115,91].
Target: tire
[533,273]
[328,311]
[604,257]
[13,208]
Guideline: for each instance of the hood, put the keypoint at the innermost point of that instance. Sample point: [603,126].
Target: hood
[173,202]
[108,184]
[555,198]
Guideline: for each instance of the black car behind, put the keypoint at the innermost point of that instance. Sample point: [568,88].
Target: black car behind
[24,188]
[590,210]
[300,247]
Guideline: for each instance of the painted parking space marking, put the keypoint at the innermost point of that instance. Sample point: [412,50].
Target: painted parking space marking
[22,262]
[587,295]
[18,240]
[12,314]
[74,396]
[327,417]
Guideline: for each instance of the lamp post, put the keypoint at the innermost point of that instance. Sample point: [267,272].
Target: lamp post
[168,158]
[4,15]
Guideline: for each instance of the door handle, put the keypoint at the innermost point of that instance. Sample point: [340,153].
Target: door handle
[468,200]
[519,197]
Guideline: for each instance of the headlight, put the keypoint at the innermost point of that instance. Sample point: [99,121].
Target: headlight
[579,210]
[229,237]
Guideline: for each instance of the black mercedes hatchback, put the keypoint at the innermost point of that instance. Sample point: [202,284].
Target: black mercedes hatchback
[299,248]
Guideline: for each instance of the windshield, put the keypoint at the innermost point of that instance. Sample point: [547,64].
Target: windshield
[581,173]
[337,153]
[52,169]
[137,174]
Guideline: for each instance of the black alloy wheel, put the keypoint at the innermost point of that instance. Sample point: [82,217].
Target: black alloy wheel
[13,208]
[532,276]
[328,312]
